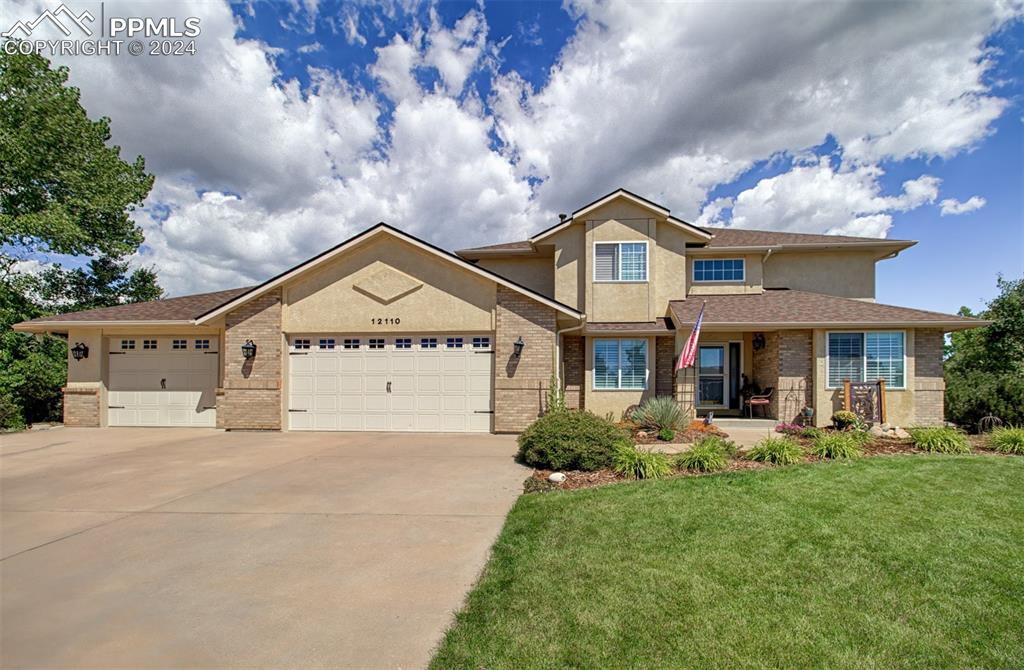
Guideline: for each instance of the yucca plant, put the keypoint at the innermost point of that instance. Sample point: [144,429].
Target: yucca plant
[836,445]
[1008,440]
[777,450]
[706,455]
[640,463]
[658,414]
[940,440]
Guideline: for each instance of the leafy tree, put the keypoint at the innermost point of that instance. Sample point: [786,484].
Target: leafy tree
[985,366]
[104,283]
[62,189]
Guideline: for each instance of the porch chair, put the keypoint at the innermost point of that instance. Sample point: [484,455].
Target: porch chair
[762,400]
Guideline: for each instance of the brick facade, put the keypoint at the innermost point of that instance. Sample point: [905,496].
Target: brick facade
[251,397]
[929,380]
[765,368]
[795,382]
[81,407]
[521,383]
[664,364]
[573,364]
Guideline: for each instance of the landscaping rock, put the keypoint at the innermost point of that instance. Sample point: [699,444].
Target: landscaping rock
[557,477]
[900,434]
[642,435]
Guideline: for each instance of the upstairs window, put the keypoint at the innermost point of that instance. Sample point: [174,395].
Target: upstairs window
[859,357]
[620,261]
[729,269]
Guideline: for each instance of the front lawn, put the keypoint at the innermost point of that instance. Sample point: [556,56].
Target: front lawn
[896,562]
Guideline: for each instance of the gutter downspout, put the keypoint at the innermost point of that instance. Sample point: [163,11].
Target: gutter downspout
[558,348]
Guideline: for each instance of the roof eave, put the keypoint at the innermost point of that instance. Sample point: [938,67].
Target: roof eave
[895,245]
[61,326]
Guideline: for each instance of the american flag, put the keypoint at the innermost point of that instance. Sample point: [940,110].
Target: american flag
[689,352]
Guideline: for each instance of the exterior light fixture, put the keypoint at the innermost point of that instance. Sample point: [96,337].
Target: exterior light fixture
[79,351]
[249,349]
[758,342]
[518,344]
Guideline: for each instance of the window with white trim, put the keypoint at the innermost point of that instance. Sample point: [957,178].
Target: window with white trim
[620,261]
[867,356]
[403,343]
[428,343]
[202,344]
[376,343]
[327,343]
[454,343]
[300,343]
[718,269]
[179,344]
[350,344]
[620,364]
[481,343]
[149,344]
[127,345]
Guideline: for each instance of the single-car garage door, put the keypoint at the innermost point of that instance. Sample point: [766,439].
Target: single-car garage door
[391,382]
[162,381]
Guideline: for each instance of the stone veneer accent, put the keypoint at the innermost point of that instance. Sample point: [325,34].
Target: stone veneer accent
[664,365]
[929,379]
[520,384]
[251,397]
[81,406]
[573,364]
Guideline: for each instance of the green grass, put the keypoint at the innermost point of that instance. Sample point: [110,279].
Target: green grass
[896,562]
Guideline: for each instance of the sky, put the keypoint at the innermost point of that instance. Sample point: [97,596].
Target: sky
[298,124]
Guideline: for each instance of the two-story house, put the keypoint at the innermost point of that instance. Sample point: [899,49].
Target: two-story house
[387,332]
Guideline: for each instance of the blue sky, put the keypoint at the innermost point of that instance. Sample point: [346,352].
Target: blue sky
[300,123]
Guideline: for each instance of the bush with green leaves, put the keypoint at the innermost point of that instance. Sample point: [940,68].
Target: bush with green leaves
[570,440]
[1008,440]
[811,433]
[844,419]
[659,413]
[837,445]
[666,434]
[639,463]
[940,440]
[777,450]
[706,455]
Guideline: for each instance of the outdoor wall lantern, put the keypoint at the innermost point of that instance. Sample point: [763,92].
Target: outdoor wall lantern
[79,351]
[249,349]
[758,341]
[518,344]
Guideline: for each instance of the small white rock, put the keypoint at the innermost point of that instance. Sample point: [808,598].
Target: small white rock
[556,477]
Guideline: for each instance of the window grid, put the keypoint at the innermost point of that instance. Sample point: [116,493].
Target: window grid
[428,343]
[620,364]
[403,343]
[202,344]
[376,343]
[718,269]
[179,344]
[454,343]
[620,261]
[481,343]
[149,344]
[327,343]
[301,344]
[351,343]
[858,357]
[127,345]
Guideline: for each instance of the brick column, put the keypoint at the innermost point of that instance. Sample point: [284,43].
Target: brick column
[929,379]
[664,364]
[765,367]
[521,383]
[795,383]
[573,355]
[251,397]
[82,406]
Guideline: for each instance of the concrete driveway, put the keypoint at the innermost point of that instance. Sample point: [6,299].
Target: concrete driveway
[127,547]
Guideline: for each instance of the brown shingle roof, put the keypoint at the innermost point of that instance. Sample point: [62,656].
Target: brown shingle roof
[660,325]
[504,247]
[786,307]
[185,308]
[739,237]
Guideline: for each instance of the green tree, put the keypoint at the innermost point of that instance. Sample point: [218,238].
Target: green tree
[985,366]
[104,283]
[62,188]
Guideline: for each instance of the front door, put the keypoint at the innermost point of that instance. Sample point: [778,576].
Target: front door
[712,373]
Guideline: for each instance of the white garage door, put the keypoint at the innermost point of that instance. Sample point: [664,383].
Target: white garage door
[162,381]
[380,382]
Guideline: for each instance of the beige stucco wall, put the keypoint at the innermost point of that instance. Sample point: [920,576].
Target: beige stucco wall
[537,273]
[899,402]
[752,276]
[570,266]
[669,266]
[602,402]
[449,298]
[849,274]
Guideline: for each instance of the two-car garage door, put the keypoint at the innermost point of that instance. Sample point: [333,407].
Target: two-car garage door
[390,382]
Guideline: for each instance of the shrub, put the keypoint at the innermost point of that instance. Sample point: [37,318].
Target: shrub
[836,445]
[1008,440]
[860,437]
[569,440]
[659,414]
[811,433]
[940,440]
[707,455]
[844,419]
[728,447]
[777,450]
[666,434]
[640,463]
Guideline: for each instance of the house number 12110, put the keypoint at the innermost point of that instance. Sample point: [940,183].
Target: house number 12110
[385,321]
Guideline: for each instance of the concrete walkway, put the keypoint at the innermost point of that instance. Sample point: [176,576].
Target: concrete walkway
[199,548]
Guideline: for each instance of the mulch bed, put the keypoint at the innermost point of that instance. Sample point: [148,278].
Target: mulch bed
[693,432]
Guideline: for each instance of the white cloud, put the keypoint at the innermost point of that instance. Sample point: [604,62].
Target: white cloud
[313,47]
[952,206]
